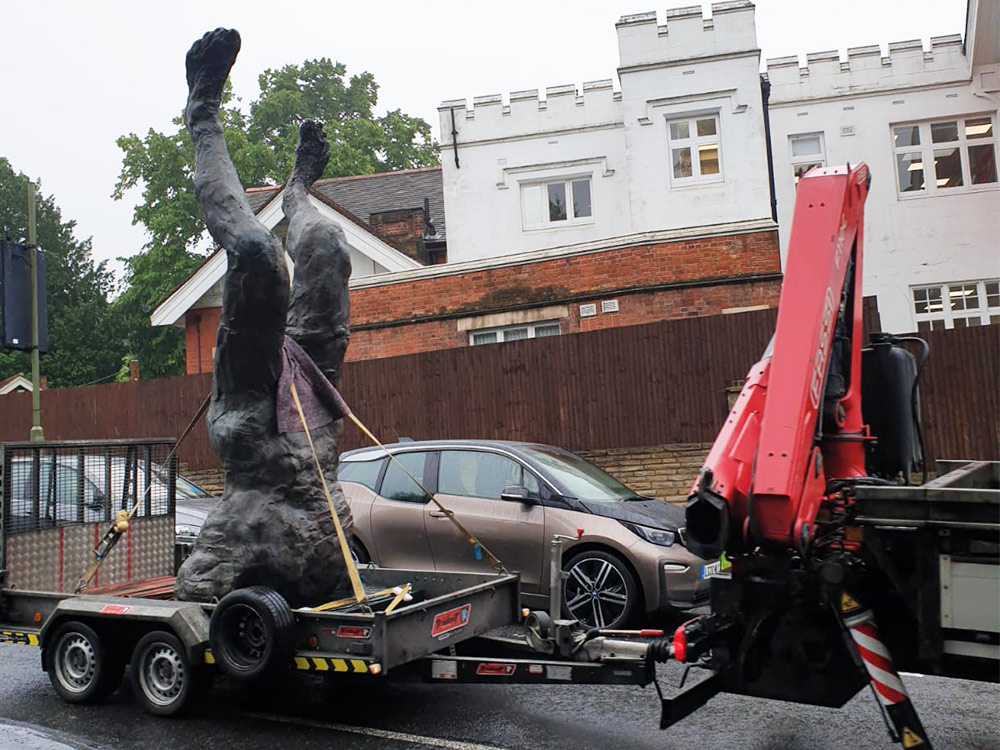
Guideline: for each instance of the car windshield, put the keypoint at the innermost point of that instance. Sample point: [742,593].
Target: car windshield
[580,478]
[187,489]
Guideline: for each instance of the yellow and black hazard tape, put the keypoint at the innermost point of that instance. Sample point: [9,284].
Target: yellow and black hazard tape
[324,664]
[22,639]
[316,664]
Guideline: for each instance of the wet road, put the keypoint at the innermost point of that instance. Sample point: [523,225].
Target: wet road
[305,713]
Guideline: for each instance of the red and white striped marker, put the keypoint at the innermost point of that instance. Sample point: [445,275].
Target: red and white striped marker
[899,710]
[878,662]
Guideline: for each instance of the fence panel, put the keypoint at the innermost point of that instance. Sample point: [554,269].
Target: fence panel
[653,384]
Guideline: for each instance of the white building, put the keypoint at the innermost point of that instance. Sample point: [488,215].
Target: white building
[925,122]
[681,146]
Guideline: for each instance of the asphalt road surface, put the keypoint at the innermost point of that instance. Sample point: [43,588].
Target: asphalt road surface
[305,713]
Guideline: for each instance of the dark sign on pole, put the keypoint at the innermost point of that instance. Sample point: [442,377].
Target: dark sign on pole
[15,297]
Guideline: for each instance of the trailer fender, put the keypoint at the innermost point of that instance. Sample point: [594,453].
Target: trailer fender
[124,621]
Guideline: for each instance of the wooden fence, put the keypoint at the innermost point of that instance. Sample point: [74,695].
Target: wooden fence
[622,387]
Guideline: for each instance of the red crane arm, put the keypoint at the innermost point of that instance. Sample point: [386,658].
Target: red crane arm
[797,421]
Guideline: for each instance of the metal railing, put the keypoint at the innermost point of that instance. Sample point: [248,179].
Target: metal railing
[45,485]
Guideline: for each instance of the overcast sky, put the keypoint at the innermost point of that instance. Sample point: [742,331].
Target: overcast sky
[76,75]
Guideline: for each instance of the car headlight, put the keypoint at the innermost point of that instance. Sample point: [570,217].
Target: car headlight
[185,530]
[662,537]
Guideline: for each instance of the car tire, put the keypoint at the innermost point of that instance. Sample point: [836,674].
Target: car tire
[81,667]
[360,555]
[600,591]
[163,678]
[252,633]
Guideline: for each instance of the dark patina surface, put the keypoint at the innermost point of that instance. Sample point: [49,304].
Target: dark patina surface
[272,526]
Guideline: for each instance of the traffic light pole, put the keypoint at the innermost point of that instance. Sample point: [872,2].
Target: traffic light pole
[36,435]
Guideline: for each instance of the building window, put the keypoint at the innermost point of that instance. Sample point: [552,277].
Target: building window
[695,153]
[958,305]
[515,333]
[941,158]
[559,203]
[807,152]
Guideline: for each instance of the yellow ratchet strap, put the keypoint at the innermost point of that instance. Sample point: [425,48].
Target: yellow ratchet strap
[345,550]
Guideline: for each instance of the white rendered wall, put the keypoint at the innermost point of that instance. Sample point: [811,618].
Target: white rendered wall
[566,135]
[909,241]
[689,66]
[693,66]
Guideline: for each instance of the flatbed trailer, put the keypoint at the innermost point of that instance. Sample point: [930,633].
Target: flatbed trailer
[420,625]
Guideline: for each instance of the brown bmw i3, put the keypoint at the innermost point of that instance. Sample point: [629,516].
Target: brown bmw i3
[630,560]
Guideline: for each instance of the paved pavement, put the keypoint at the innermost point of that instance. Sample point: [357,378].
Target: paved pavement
[305,713]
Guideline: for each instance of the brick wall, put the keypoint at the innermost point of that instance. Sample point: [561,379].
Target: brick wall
[210,480]
[402,229]
[634,309]
[628,268]
[200,327]
[664,471]
[652,282]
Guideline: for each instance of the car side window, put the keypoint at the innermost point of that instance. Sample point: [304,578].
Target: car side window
[396,485]
[362,472]
[532,485]
[477,474]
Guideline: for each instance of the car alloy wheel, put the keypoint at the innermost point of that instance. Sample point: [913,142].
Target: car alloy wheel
[599,591]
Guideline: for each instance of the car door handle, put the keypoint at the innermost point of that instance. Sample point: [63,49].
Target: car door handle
[440,513]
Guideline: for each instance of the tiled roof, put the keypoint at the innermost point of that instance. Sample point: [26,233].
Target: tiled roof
[365,195]
[258,197]
[369,194]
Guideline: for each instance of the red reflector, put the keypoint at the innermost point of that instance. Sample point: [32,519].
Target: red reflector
[579,533]
[115,609]
[353,631]
[496,670]
[680,644]
[650,633]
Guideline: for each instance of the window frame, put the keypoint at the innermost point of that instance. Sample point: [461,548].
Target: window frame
[478,452]
[429,478]
[567,182]
[805,161]
[499,330]
[984,312]
[927,147]
[693,141]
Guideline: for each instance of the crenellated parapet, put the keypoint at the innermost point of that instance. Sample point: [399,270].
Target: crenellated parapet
[865,70]
[687,35]
[525,113]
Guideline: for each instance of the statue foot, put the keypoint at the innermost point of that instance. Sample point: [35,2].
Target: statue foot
[311,155]
[208,64]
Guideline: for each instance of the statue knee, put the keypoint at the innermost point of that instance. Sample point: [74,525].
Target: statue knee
[255,246]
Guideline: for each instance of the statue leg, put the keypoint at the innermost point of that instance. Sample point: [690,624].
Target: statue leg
[236,538]
[318,312]
[255,293]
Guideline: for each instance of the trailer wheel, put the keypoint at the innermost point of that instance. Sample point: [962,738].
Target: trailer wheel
[81,668]
[252,633]
[163,679]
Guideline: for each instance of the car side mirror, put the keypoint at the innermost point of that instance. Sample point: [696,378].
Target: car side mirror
[515,494]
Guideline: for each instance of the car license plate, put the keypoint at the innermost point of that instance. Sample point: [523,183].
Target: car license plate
[717,569]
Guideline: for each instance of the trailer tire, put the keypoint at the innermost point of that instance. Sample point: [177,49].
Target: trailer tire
[81,667]
[163,678]
[252,634]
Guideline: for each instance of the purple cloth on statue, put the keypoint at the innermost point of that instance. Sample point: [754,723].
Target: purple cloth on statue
[321,403]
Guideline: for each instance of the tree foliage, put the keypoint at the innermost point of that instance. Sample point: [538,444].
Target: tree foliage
[83,336]
[262,148]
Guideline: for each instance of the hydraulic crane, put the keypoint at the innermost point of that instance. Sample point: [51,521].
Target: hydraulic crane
[820,422]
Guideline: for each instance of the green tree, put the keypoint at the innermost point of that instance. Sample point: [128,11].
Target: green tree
[84,345]
[262,148]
